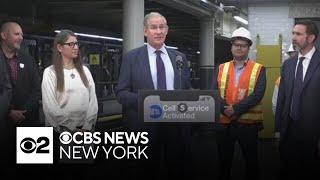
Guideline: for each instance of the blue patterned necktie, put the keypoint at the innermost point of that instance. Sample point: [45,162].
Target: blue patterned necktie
[161,72]
[296,94]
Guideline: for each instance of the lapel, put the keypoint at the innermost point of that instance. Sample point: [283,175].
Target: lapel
[145,70]
[20,67]
[314,63]
[291,75]
[172,56]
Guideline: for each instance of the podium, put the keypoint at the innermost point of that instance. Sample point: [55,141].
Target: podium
[178,106]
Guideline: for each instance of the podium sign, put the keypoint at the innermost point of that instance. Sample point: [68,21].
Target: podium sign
[177,106]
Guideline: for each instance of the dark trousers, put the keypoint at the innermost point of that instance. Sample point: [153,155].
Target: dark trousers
[247,137]
[298,153]
[168,153]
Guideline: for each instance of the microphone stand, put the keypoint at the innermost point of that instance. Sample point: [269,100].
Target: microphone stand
[180,74]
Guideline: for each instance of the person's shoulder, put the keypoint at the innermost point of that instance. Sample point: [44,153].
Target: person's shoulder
[49,71]
[256,63]
[136,50]
[175,51]
[25,56]
[316,52]
[225,63]
[86,69]
[289,60]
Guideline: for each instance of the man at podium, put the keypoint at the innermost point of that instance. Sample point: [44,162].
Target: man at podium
[155,67]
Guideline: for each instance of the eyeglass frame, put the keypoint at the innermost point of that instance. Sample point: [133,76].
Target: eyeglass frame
[72,44]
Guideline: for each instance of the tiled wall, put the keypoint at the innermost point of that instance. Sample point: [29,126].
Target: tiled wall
[269,20]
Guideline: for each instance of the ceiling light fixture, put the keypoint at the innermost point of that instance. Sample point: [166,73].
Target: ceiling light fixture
[240,19]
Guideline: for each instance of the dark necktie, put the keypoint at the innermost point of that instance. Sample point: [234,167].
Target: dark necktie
[296,94]
[161,72]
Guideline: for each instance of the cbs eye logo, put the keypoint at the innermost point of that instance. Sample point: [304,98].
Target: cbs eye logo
[65,137]
[29,145]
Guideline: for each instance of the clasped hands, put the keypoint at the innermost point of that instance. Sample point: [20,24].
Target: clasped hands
[229,112]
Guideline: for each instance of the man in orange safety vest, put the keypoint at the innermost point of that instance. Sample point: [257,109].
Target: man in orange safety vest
[241,84]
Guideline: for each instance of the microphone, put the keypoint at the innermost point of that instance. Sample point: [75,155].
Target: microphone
[179,63]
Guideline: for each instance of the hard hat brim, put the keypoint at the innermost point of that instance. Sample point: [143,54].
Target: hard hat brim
[241,38]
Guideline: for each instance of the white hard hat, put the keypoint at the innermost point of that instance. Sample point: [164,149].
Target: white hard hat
[242,33]
[291,49]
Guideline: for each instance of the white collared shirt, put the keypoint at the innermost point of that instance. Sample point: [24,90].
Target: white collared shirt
[306,61]
[167,65]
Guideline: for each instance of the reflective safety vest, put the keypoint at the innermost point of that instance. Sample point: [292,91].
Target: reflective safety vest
[277,83]
[233,93]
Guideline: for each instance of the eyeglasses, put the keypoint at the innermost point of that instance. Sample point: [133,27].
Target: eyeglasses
[242,46]
[72,44]
[161,27]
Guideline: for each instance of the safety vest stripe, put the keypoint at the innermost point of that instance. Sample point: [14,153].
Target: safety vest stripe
[257,108]
[254,112]
[251,116]
[253,78]
[224,79]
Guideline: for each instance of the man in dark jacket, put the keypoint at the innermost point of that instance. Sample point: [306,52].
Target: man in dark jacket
[297,114]
[24,79]
[5,97]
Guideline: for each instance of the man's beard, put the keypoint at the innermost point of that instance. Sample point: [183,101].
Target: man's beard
[241,58]
[14,47]
[298,48]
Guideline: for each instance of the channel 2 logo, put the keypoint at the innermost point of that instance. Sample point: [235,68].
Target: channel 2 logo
[34,145]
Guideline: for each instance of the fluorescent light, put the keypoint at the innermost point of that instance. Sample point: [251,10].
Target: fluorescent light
[106,37]
[240,19]
[95,36]
[172,47]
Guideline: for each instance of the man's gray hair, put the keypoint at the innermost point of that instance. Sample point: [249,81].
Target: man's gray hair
[150,15]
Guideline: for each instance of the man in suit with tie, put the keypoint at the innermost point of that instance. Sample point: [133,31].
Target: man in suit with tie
[297,114]
[153,66]
[25,81]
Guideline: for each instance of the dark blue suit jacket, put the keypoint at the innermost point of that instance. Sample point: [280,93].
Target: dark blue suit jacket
[135,75]
[310,98]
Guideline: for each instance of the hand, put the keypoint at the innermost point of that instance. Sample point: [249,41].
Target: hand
[229,111]
[277,135]
[234,117]
[17,116]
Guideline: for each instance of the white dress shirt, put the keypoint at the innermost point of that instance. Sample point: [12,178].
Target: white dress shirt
[306,61]
[167,65]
